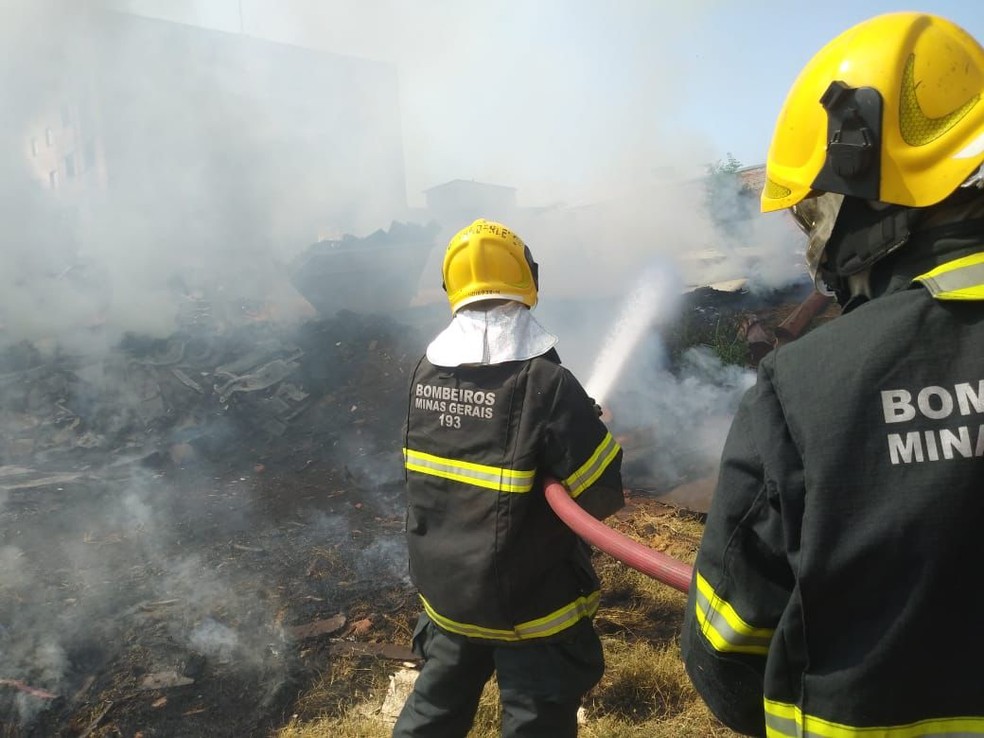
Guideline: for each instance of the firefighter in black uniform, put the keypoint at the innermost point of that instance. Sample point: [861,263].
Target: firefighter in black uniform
[838,584]
[506,587]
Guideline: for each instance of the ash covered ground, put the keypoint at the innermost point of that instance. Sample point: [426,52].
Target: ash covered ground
[192,527]
[171,510]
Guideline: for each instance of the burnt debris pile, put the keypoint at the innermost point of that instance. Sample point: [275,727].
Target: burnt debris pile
[201,395]
[378,273]
[173,510]
[192,526]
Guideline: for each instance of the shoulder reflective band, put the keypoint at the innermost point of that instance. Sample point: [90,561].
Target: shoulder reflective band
[960,279]
[548,625]
[788,721]
[724,628]
[490,477]
[591,469]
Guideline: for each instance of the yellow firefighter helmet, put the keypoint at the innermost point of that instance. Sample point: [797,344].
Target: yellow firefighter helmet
[487,261]
[890,110]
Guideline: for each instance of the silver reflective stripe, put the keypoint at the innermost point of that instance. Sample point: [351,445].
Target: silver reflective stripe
[584,477]
[776,726]
[959,279]
[735,638]
[580,608]
[490,477]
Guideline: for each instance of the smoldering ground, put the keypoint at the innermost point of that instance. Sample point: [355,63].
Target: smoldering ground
[138,182]
[152,524]
[148,530]
[76,574]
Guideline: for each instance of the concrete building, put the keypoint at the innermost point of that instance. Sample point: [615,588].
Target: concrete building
[456,203]
[290,140]
[185,161]
[216,135]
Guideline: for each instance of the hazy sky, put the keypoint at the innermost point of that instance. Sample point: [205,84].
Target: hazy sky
[567,99]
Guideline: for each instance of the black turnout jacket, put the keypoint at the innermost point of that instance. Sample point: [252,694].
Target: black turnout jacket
[490,558]
[838,588]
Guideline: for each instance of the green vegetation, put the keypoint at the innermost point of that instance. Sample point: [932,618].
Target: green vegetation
[728,203]
[722,331]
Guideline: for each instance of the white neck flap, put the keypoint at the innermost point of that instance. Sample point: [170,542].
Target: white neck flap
[490,335]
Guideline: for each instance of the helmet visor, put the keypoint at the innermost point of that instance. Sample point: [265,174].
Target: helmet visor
[816,216]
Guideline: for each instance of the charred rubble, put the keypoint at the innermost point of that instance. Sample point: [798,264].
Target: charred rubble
[150,400]
[185,520]
[224,375]
[178,515]
[192,525]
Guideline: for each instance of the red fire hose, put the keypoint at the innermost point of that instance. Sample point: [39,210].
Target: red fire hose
[652,563]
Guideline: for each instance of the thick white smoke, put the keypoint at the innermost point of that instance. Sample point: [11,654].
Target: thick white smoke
[155,171]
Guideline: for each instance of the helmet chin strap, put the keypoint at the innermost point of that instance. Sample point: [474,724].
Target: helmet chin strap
[859,286]
[853,291]
[865,233]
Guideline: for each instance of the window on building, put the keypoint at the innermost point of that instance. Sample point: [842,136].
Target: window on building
[49,137]
[53,178]
[34,147]
[70,165]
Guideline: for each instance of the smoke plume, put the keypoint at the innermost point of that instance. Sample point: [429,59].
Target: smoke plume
[164,167]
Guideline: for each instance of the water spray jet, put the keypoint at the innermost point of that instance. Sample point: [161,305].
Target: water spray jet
[649,301]
[645,304]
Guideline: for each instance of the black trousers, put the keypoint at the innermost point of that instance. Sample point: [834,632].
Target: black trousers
[541,684]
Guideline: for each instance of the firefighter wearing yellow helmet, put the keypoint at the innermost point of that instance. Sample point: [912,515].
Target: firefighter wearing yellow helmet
[838,581]
[488,261]
[506,587]
[884,123]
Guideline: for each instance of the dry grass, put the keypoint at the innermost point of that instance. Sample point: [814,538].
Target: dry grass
[645,692]
[352,725]
[351,680]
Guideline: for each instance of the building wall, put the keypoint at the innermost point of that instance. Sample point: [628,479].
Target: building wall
[246,139]
[456,203]
[142,161]
[233,137]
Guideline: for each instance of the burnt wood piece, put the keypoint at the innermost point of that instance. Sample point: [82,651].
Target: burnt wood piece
[799,320]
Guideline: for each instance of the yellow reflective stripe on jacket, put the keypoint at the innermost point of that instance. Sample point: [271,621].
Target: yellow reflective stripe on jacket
[548,625]
[724,628]
[591,469]
[788,721]
[960,279]
[467,472]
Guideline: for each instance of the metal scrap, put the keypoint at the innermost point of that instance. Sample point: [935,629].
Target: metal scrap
[374,274]
[18,477]
[317,628]
[165,680]
[797,322]
[197,391]
[187,381]
[20,686]
[390,651]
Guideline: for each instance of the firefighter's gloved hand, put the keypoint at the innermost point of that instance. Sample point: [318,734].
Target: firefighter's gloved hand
[597,407]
